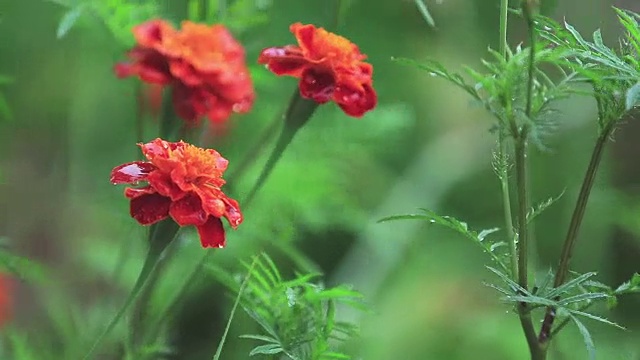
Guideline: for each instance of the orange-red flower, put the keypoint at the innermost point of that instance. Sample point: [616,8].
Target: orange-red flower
[6,299]
[329,67]
[184,182]
[203,64]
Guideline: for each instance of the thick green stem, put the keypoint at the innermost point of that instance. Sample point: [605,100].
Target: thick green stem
[523,205]
[574,226]
[300,110]
[504,13]
[147,268]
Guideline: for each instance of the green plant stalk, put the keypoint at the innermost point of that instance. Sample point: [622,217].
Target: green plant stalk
[153,255]
[234,308]
[298,113]
[502,148]
[574,227]
[504,14]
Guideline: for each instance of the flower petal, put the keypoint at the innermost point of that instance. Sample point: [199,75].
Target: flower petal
[131,173]
[188,211]
[150,208]
[212,233]
[232,212]
[151,33]
[356,103]
[286,60]
[317,86]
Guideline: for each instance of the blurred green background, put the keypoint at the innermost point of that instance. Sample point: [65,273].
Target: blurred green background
[425,146]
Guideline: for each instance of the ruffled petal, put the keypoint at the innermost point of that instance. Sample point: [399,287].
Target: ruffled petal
[356,103]
[212,233]
[305,36]
[152,33]
[132,193]
[232,212]
[317,86]
[150,208]
[131,173]
[286,60]
[188,211]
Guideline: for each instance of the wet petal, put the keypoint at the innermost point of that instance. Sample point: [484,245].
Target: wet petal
[317,86]
[132,193]
[283,60]
[356,103]
[188,211]
[131,173]
[149,209]
[232,212]
[212,233]
[151,33]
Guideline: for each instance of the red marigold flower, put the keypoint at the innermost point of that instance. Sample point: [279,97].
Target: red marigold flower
[329,66]
[203,64]
[184,182]
[6,299]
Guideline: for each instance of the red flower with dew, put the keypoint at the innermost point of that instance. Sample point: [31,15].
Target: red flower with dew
[6,299]
[204,65]
[184,182]
[329,66]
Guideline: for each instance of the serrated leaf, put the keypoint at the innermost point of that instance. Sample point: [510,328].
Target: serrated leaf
[268,349]
[595,317]
[517,289]
[633,97]
[541,207]
[588,340]
[484,233]
[68,20]
[631,286]
[569,285]
[260,338]
[583,297]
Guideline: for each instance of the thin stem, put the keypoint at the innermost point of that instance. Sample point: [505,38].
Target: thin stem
[504,13]
[503,175]
[233,310]
[147,268]
[523,205]
[253,153]
[574,226]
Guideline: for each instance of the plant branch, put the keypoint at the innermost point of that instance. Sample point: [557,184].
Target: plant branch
[504,13]
[574,225]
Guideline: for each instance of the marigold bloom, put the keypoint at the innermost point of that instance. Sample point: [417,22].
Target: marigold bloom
[6,298]
[184,182]
[203,64]
[329,67]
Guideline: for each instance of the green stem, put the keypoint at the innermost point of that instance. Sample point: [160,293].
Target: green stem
[504,13]
[506,203]
[147,268]
[523,205]
[574,226]
[235,307]
[300,110]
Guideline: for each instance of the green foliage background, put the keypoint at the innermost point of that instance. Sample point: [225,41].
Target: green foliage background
[68,121]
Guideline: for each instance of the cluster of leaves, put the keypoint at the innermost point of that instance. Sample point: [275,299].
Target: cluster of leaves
[298,316]
[120,16]
[502,88]
[613,73]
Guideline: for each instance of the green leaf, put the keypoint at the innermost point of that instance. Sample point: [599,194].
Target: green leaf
[588,340]
[424,11]
[569,285]
[457,226]
[68,20]
[633,97]
[629,287]
[260,338]
[541,207]
[268,349]
[595,317]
